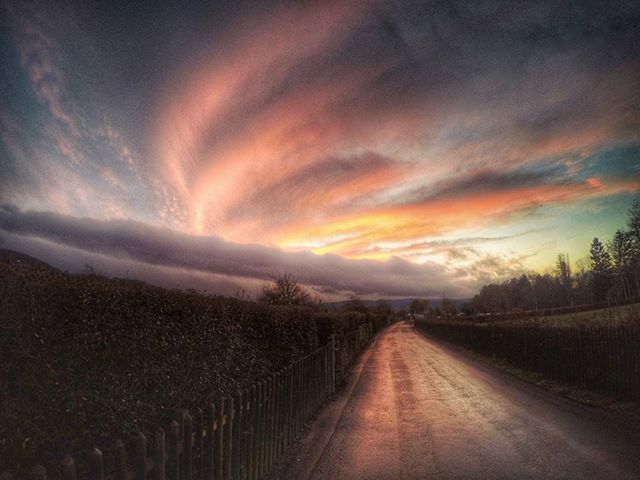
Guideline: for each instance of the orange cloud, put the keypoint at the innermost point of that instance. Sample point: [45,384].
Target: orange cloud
[243,136]
[358,235]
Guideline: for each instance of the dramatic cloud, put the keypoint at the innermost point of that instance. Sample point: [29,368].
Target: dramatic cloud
[395,132]
[132,245]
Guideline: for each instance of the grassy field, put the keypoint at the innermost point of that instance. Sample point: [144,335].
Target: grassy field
[616,315]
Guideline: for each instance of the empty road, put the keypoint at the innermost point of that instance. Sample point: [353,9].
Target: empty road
[416,409]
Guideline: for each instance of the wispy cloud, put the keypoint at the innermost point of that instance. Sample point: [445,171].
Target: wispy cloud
[364,129]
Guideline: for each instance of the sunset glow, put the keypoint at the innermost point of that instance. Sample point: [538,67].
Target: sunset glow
[379,133]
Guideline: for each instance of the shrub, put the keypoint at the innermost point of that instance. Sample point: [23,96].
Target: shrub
[84,359]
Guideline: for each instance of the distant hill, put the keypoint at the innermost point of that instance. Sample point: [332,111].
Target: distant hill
[401,303]
[11,256]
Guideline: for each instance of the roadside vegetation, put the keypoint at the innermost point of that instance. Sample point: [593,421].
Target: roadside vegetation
[609,275]
[85,359]
[603,286]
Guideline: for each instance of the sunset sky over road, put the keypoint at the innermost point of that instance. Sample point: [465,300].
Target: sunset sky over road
[384,149]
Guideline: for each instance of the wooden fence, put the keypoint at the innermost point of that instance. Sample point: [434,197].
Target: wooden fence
[240,437]
[604,359]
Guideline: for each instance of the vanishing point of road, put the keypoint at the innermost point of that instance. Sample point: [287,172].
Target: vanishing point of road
[416,409]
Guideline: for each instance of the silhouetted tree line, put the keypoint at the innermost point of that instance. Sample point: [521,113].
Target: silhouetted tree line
[610,273]
[423,308]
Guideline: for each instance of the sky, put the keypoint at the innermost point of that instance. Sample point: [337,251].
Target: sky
[370,148]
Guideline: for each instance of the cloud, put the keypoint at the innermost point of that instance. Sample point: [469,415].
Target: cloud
[517,94]
[488,181]
[139,248]
[452,207]
[364,129]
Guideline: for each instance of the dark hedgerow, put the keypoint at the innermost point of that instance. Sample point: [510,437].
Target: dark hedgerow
[85,359]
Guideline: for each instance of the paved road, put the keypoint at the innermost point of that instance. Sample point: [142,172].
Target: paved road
[419,410]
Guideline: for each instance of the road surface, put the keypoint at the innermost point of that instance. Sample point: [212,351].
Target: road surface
[416,409]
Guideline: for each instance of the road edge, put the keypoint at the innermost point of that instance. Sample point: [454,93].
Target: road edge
[628,410]
[313,442]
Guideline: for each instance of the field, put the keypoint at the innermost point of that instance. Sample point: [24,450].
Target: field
[618,315]
[614,315]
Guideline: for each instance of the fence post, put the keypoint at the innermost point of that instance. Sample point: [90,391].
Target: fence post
[69,468]
[140,443]
[276,417]
[120,454]
[228,443]
[248,438]
[254,432]
[259,430]
[187,454]
[245,454]
[174,453]
[210,447]
[96,465]
[237,435]
[271,437]
[38,472]
[266,432]
[219,443]
[332,366]
[199,442]
[290,433]
[159,455]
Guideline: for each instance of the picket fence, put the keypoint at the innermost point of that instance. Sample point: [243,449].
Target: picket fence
[242,437]
[604,359]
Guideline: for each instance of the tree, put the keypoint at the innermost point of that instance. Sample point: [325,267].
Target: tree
[447,308]
[605,273]
[634,226]
[383,308]
[563,270]
[620,249]
[582,289]
[355,304]
[634,218]
[416,307]
[426,308]
[285,290]
[468,309]
[600,270]
[419,307]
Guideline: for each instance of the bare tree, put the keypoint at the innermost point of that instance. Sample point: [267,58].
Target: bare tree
[601,269]
[420,307]
[355,304]
[285,290]
[563,271]
[447,308]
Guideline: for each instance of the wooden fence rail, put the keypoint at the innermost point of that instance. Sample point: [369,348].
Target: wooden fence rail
[604,359]
[240,437]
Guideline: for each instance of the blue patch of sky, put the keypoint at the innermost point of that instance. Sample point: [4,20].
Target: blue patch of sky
[619,161]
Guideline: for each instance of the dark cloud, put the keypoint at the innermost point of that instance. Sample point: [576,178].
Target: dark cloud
[139,247]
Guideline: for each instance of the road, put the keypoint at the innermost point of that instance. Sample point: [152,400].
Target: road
[416,409]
